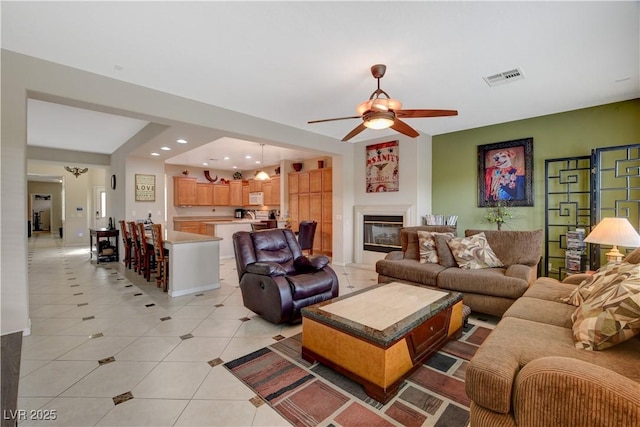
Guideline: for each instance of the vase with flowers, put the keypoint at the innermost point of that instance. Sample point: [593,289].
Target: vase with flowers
[499,212]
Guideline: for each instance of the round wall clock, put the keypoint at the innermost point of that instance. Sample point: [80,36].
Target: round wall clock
[113,182]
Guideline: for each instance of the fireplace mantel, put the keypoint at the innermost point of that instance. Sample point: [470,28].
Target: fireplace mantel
[406,211]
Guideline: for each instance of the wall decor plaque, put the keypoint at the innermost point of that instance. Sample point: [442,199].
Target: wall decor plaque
[145,188]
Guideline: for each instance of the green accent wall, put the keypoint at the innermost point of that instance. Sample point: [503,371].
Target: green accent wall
[573,133]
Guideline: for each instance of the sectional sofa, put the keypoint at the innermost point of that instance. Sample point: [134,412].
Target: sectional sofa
[485,290]
[530,373]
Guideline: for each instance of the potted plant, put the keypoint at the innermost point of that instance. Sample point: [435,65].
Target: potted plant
[499,212]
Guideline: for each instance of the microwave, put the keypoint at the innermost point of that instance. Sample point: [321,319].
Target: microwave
[256,198]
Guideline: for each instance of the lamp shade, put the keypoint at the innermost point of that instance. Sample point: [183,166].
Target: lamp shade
[614,231]
[262,176]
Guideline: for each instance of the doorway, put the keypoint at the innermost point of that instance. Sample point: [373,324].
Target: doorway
[40,212]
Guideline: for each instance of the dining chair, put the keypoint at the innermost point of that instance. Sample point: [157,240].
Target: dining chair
[126,242]
[146,252]
[162,257]
[256,226]
[135,247]
[306,234]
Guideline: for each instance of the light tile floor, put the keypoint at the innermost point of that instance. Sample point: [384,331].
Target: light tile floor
[102,335]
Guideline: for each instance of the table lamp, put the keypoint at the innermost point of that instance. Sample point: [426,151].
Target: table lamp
[614,231]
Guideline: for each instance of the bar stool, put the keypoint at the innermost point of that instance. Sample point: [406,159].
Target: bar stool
[126,241]
[135,246]
[146,252]
[162,257]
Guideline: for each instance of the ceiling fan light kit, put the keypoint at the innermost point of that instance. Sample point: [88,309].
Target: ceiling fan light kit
[382,113]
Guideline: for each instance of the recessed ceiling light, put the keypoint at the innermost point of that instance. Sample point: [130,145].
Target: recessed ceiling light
[181,141]
[205,164]
[258,162]
[155,154]
[165,148]
[235,167]
[226,158]
[247,156]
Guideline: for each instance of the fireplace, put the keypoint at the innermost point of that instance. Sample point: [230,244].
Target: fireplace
[381,233]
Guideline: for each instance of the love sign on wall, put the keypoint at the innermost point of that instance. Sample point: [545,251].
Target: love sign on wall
[145,188]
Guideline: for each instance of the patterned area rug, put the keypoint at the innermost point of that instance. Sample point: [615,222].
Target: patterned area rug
[312,394]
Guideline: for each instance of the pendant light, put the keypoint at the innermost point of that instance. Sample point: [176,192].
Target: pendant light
[262,175]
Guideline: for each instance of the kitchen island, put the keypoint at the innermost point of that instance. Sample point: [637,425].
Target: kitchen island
[194,262]
[225,230]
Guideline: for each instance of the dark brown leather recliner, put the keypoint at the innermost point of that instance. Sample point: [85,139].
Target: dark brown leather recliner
[276,280]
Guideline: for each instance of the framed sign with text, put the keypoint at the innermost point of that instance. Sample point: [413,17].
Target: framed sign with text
[145,188]
[382,167]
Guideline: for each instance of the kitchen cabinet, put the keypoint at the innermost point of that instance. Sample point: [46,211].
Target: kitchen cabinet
[221,194]
[293,183]
[195,227]
[266,189]
[235,193]
[204,194]
[184,191]
[255,185]
[245,194]
[311,198]
[275,190]
[303,182]
[315,181]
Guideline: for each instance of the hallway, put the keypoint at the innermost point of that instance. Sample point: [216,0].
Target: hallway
[108,348]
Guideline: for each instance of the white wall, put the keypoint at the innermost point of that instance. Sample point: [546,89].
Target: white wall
[414,180]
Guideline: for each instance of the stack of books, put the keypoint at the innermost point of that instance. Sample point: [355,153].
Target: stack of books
[433,219]
[575,258]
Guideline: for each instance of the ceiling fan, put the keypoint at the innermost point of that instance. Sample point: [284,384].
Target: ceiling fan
[385,112]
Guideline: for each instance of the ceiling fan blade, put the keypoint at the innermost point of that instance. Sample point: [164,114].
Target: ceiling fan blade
[425,113]
[404,128]
[354,132]
[331,120]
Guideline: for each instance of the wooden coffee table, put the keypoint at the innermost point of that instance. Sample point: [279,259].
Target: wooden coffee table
[379,335]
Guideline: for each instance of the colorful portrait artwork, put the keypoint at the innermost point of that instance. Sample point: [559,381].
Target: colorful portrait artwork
[505,172]
[382,167]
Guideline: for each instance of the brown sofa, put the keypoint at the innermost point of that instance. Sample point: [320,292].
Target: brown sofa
[489,290]
[528,372]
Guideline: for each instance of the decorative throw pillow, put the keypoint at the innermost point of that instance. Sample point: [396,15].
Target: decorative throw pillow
[605,276]
[473,252]
[610,315]
[445,257]
[427,244]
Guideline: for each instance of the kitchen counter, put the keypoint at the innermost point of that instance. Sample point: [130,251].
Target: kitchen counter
[178,237]
[194,262]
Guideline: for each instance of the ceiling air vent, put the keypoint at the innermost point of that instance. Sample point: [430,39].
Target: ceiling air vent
[504,77]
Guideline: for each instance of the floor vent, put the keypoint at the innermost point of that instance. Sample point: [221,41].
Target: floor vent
[504,77]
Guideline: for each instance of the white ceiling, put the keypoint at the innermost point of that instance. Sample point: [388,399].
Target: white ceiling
[291,62]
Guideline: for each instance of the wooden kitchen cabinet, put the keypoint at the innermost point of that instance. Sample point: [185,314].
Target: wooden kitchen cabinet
[315,181]
[188,226]
[204,194]
[293,183]
[184,191]
[235,193]
[245,194]
[275,190]
[266,189]
[303,182]
[327,180]
[221,193]
[311,198]
[255,186]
